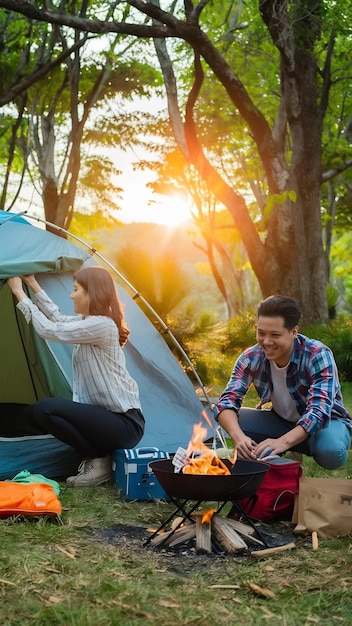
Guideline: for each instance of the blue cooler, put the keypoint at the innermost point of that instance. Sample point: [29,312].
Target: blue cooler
[133,475]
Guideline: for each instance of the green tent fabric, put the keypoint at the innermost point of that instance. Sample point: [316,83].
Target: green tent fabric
[29,369]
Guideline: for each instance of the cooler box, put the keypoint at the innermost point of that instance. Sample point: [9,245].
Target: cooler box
[134,477]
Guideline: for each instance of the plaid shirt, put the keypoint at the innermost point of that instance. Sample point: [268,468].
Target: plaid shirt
[312,381]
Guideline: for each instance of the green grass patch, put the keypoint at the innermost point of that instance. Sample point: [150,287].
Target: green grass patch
[67,574]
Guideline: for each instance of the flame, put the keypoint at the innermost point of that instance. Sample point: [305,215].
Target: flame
[207,418]
[196,444]
[206,463]
[207,515]
[206,460]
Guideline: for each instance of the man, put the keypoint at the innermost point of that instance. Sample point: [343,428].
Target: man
[298,377]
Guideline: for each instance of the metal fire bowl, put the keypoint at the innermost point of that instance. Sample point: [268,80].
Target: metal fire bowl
[243,482]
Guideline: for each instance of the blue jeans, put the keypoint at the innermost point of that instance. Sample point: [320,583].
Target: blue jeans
[329,446]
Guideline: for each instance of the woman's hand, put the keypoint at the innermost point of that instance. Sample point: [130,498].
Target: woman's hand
[32,283]
[16,287]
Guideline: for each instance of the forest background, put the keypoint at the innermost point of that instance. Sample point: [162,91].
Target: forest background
[256,137]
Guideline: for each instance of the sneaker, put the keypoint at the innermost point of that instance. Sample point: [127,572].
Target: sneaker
[92,472]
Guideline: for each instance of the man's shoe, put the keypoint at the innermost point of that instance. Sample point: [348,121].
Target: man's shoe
[92,472]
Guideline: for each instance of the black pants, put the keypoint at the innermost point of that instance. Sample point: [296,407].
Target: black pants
[91,430]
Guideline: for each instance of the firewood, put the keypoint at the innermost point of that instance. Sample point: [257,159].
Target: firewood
[241,526]
[267,551]
[226,536]
[246,532]
[181,535]
[175,537]
[315,542]
[203,535]
[160,538]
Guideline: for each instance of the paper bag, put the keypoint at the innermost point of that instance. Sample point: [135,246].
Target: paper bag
[324,505]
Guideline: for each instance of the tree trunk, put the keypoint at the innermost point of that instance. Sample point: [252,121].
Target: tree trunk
[291,260]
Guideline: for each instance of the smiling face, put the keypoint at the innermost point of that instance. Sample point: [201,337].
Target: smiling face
[275,340]
[80,298]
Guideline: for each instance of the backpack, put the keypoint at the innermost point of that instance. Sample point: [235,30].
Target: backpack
[275,497]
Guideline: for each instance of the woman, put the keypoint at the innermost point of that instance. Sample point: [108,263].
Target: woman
[105,412]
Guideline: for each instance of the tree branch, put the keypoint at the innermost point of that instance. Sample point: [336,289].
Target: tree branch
[15,90]
[330,174]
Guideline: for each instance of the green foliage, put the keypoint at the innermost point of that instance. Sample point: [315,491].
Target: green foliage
[96,184]
[85,226]
[212,346]
[338,336]
[241,331]
[214,352]
[161,280]
[200,334]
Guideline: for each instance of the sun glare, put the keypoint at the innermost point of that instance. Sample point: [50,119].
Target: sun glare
[171,211]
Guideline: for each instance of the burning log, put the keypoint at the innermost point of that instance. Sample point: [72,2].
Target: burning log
[203,531]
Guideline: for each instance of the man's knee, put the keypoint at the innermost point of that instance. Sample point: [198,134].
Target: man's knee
[331,459]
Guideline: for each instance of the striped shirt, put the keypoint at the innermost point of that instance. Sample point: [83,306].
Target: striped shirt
[100,376]
[312,382]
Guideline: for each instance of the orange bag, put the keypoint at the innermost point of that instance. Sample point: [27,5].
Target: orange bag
[37,499]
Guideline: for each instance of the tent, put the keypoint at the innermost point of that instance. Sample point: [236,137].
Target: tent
[32,368]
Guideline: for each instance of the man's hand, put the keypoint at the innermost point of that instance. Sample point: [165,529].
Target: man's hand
[277,446]
[245,447]
[286,442]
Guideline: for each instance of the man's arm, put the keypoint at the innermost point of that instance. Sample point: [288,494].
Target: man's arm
[244,445]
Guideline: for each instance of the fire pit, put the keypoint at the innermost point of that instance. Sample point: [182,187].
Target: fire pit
[243,481]
[203,477]
[188,491]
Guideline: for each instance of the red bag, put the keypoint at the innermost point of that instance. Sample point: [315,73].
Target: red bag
[275,497]
[29,500]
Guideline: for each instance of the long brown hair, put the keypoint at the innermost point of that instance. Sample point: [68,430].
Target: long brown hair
[103,298]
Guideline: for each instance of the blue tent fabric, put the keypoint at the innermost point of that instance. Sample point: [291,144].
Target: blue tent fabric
[169,401]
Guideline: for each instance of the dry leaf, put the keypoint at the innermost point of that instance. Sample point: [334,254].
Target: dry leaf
[168,605]
[266,612]
[225,587]
[7,582]
[51,570]
[54,600]
[70,552]
[261,591]
[269,568]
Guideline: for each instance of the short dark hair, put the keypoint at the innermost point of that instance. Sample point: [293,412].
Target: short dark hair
[280,306]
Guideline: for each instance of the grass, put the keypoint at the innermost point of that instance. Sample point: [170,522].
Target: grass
[76,574]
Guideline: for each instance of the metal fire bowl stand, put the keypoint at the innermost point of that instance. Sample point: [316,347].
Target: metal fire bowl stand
[188,491]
